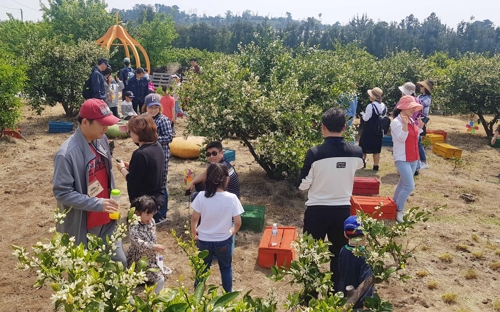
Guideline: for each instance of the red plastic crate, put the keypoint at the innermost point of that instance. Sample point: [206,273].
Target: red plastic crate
[366,186]
[441,132]
[368,204]
[283,253]
[13,133]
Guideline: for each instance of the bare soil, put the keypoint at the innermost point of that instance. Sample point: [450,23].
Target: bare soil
[26,169]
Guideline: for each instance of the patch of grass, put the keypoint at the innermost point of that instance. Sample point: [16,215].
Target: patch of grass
[449,298]
[478,254]
[470,274]
[422,273]
[462,247]
[446,257]
[432,285]
[495,265]
[496,305]
[475,238]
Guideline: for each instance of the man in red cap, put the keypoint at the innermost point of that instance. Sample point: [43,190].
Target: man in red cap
[83,179]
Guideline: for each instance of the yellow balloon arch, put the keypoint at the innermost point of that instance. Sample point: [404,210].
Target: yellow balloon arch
[118,32]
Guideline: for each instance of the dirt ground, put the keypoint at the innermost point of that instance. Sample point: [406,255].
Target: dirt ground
[26,193]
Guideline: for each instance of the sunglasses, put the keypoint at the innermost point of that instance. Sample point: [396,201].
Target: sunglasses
[208,154]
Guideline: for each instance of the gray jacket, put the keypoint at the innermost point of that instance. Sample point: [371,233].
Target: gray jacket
[70,183]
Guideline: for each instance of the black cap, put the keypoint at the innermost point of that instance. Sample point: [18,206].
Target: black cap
[130,94]
[103,60]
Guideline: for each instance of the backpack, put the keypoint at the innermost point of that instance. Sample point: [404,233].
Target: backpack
[383,121]
[87,89]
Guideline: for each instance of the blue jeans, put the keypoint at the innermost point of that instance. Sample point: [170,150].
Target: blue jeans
[164,208]
[421,152]
[406,184]
[222,250]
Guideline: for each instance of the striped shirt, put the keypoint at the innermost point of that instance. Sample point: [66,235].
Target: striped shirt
[234,183]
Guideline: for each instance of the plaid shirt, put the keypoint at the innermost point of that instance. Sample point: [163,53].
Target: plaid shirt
[165,136]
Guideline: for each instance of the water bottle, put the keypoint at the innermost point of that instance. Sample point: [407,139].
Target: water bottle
[274,235]
[159,261]
[115,195]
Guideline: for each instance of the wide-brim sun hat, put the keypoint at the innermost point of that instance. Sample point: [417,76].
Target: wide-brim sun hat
[428,85]
[408,102]
[376,93]
[408,88]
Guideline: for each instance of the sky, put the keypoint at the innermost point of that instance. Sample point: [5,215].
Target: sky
[451,12]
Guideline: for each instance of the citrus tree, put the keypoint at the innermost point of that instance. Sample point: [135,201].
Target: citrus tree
[471,86]
[270,97]
[57,72]
[12,79]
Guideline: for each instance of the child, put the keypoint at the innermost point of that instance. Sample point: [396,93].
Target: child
[115,87]
[143,240]
[168,105]
[165,136]
[215,154]
[217,210]
[127,106]
[353,270]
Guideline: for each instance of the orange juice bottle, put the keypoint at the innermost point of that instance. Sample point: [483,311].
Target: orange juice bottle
[115,195]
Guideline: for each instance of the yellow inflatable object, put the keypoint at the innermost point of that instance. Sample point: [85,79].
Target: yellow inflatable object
[186,148]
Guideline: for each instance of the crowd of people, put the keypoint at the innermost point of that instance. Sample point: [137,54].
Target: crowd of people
[83,175]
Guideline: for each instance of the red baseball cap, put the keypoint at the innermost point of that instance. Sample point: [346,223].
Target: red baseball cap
[97,109]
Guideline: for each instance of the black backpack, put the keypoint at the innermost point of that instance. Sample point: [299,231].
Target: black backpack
[87,89]
[383,122]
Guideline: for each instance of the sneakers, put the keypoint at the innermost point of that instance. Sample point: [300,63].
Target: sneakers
[424,166]
[399,216]
[161,220]
[375,168]
[416,173]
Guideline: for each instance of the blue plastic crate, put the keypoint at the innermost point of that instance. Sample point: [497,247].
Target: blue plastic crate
[60,126]
[230,155]
[387,140]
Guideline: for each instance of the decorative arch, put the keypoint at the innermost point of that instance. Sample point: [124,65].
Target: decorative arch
[120,33]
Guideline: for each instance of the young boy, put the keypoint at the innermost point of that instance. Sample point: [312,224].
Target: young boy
[215,154]
[353,270]
[168,104]
[127,106]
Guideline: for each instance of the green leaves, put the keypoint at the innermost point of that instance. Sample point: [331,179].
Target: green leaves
[12,80]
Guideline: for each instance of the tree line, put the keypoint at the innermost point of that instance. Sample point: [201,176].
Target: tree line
[224,33]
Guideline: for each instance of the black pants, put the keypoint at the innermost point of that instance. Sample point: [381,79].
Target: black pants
[320,221]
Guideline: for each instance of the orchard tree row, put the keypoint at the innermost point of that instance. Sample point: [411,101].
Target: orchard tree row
[224,33]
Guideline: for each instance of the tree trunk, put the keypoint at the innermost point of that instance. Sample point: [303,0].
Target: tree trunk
[264,165]
[488,126]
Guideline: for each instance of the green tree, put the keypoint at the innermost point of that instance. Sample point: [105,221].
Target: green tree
[12,79]
[156,36]
[73,20]
[471,86]
[17,36]
[57,72]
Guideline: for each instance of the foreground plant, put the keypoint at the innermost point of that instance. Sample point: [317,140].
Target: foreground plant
[382,250]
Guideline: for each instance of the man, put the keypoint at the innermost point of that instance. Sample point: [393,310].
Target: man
[328,174]
[194,66]
[83,179]
[125,74]
[139,87]
[215,154]
[97,85]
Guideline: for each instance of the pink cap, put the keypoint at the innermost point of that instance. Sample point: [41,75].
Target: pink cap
[408,102]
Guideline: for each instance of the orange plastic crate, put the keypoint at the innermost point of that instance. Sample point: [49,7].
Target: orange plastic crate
[368,204]
[366,186]
[441,132]
[283,253]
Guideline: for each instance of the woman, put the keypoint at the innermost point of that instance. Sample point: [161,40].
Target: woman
[425,99]
[152,107]
[144,174]
[371,139]
[405,132]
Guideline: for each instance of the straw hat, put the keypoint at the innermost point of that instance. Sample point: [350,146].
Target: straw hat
[427,84]
[376,93]
[408,102]
[408,88]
